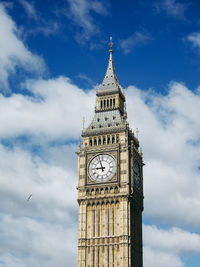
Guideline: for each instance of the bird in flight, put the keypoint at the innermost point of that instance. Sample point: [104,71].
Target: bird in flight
[29,197]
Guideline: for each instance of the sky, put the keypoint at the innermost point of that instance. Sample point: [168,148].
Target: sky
[53,54]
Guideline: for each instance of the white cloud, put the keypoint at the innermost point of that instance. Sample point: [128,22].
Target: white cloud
[41,24]
[31,242]
[136,39]
[171,7]
[164,248]
[30,9]
[169,133]
[174,240]
[194,38]
[170,130]
[13,52]
[55,110]
[49,182]
[154,258]
[80,13]
[169,126]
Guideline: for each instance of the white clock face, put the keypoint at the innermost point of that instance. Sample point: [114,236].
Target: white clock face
[102,168]
[136,173]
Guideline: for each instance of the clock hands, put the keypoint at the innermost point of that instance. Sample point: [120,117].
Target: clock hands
[102,168]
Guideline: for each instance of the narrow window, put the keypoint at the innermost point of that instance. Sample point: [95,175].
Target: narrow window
[90,142]
[95,141]
[113,219]
[93,256]
[97,191]
[99,141]
[93,223]
[108,142]
[114,102]
[108,221]
[113,256]
[108,256]
[117,138]
[101,104]
[111,103]
[98,231]
[104,102]
[98,256]
[104,140]
[107,103]
[113,139]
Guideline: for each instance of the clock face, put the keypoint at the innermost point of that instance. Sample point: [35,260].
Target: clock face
[136,173]
[102,168]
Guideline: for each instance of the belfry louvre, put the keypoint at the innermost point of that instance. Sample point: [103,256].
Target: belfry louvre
[110,183]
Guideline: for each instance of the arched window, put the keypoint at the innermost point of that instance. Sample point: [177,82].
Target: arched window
[104,102]
[108,140]
[114,102]
[101,104]
[90,142]
[107,103]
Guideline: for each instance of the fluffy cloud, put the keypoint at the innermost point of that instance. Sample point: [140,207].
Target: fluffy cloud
[171,7]
[166,247]
[174,240]
[194,38]
[14,54]
[80,13]
[30,9]
[170,131]
[136,39]
[29,242]
[37,157]
[156,258]
[54,110]
[43,230]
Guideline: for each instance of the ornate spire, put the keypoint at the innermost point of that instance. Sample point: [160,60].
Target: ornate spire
[110,81]
[111,45]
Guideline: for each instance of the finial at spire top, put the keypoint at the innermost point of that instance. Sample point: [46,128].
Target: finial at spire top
[111,45]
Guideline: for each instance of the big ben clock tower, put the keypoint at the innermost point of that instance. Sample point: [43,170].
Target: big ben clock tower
[110,183]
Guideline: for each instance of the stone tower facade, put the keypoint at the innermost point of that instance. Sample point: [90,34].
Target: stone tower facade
[110,183]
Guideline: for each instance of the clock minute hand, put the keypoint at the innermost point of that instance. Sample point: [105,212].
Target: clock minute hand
[101,165]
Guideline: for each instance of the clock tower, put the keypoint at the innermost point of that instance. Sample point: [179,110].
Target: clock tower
[110,183]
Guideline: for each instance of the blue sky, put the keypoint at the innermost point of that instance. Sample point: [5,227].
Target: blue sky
[52,56]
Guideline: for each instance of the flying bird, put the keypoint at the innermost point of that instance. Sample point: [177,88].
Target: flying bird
[29,197]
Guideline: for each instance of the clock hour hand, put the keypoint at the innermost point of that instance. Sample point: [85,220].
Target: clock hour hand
[100,168]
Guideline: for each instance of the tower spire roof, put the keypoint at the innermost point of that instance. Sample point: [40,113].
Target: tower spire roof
[110,81]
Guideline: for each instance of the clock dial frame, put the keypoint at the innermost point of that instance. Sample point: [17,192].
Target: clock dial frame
[102,168]
[136,174]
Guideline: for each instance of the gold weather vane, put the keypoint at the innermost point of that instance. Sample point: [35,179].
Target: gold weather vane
[83,123]
[137,132]
[111,45]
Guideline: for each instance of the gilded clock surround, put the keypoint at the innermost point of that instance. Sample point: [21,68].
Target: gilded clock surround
[110,212]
